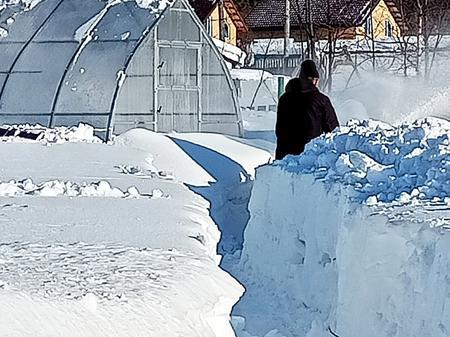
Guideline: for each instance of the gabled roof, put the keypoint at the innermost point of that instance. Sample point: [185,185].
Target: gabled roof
[438,13]
[234,13]
[203,8]
[269,14]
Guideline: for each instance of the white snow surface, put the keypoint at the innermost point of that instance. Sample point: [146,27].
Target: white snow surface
[381,162]
[111,240]
[61,134]
[317,260]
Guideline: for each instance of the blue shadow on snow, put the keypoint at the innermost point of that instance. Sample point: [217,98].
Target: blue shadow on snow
[228,206]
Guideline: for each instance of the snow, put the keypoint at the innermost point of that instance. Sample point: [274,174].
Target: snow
[84,34]
[403,163]
[251,74]
[230,51]
[57,188]
[3,33]
[80,133]
[111,239]
[27,4]
[351,236]
[157,6]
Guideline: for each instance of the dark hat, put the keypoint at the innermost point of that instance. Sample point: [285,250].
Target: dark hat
[308,70]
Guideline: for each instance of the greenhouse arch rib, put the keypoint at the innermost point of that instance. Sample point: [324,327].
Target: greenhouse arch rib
[25,46]
[71,63]
[209,39]
[127,63]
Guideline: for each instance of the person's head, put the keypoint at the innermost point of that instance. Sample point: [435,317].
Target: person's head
[308,71]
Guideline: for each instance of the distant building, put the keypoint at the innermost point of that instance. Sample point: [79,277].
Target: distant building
[435,17]
[351,19]
[215,14]
[384,21]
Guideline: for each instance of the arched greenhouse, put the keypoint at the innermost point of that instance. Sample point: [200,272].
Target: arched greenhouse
[113,64]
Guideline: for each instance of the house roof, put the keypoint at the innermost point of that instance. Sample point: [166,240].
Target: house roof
[437,13]
[269,14]
[235,14]
[203,8]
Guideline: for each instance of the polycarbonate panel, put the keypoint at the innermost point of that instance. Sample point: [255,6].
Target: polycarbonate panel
[27,23]
[178,67]
[26,93]
[216,89]
[178,26]
[228,129]
[90,84]
[8,52]
[142,62]
[134,104]
[38,75]
[136,95]
[178,111]
[2,80]
[19,119]
[126,122]
[124,21]
[98,122]
[68,19]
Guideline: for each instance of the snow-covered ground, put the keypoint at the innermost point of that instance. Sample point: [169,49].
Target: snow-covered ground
[351,238]
[111,239]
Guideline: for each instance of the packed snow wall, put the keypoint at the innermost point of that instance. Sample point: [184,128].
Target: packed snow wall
[352,238]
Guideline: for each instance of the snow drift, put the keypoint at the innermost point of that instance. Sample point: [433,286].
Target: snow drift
[351,238]
[110,239]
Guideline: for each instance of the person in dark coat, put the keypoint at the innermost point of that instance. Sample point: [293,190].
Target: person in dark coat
[303,112]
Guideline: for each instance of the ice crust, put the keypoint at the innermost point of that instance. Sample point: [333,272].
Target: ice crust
[317,260]
[381,162]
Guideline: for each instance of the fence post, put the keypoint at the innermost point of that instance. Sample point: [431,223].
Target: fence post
[280,86]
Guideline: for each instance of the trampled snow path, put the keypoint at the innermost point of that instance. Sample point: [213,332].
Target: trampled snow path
[90,264]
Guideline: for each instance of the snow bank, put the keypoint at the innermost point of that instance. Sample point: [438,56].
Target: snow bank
[57,188]
[39,133]
[318,261]
[382,163]
[120,266]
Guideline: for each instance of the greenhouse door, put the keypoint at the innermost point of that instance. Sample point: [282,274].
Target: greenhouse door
[178,89]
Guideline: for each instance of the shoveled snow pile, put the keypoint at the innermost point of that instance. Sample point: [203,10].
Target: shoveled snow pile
[57,188]
[318,261]
[24,132]
[382,162]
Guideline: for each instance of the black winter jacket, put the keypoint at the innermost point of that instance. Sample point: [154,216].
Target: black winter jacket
[303,113]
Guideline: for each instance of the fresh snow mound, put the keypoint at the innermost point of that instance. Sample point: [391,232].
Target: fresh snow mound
[380,162]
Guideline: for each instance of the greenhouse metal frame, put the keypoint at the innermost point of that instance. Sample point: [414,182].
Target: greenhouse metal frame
[116,66]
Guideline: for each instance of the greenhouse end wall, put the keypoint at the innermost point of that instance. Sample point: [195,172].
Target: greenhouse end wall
[115,66]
